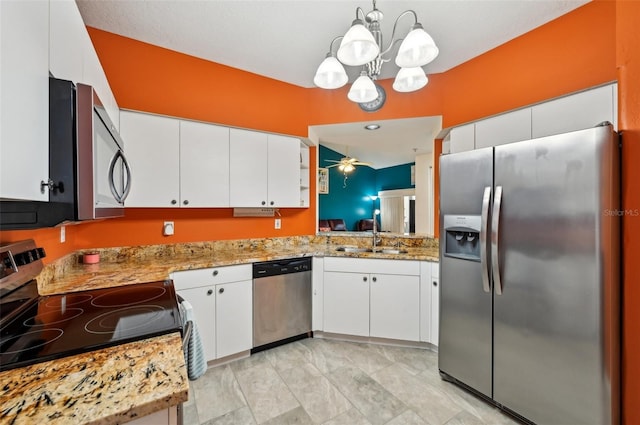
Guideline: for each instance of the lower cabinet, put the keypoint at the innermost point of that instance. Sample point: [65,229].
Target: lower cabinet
[429,302]
[222,301]
[361,300]
[161,417]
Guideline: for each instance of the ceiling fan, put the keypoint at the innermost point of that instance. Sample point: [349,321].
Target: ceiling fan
[346,164]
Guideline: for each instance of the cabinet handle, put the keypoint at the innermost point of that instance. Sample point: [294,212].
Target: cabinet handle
[435,283]
[173,202]
[263,202]
[186,202]
[364,279]
[215,272]
[375,279]
[210,291]
[221,290]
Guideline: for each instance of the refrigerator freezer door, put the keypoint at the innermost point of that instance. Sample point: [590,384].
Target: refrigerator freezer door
[465,308]
[555,323]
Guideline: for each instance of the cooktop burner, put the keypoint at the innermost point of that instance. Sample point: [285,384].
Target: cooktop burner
[60,325]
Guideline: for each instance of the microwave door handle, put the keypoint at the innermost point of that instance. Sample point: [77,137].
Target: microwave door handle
[127,187]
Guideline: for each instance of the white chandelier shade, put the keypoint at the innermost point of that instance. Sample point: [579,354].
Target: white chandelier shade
[363,89]
[358,46]
[362,46]
[330,74]
[417,49]
[410,79]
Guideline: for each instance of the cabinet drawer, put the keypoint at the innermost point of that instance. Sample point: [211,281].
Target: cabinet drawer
[372,265]
[211,276]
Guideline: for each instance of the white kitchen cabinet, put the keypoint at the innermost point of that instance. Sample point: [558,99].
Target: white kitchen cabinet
[462,138]
[176,163]
[203,301]
[575,112]
[153,149]
[24,104]
[167,416]
[248,168]
[395,307]
[317,291]
[264,170]
[346,303]
[234,313]
[73,57]
[505,128]
[222,300]
[305,175]
[204,165]
[372,297]
[425,301]
[435,308]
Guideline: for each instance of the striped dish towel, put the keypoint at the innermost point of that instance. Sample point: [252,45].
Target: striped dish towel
[193,353]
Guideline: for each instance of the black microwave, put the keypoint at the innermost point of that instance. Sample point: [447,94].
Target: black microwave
[89,177]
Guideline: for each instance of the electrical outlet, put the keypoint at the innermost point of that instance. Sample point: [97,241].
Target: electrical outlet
[168,228]
[63,234]
[278,223]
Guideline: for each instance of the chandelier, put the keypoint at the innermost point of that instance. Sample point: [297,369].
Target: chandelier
[362,46]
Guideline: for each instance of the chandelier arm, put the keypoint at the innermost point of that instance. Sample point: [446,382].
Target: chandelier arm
[359,9]
[395,25]
[333,41]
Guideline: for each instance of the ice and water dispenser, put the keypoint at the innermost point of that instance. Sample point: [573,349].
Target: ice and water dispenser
[462,237]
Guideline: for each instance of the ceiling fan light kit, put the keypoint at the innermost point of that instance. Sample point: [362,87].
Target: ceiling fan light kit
[362,46]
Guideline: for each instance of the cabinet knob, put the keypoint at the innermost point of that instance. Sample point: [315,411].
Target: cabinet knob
[215,273]
[173,202]
[263,202]
[364,279]
[210,291]
[375,279]
[271,203]
[221,290]
[186,202]
[435,283]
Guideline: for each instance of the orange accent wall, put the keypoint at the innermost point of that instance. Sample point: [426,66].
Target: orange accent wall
[571,53]
[628,61]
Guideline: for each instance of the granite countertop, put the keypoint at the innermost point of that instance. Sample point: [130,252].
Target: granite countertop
[133,266]
[107,386]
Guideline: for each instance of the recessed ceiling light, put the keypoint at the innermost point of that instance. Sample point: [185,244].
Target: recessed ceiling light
[372,126]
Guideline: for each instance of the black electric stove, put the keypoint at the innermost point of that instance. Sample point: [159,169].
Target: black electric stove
[37,329]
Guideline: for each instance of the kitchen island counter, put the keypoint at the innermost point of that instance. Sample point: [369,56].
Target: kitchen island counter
[107,386]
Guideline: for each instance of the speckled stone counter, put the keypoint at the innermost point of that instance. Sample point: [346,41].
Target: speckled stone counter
[108,386]
[129,265]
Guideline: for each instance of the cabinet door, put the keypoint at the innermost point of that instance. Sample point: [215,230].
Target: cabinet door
[317,303]
[346,303]
[234,314]
[203,301]
[575,112]
[395,307]
[248,168]
[24,104]
[204,165]
[435,309]
[425,301]
[152,148]
[506,128]
[283,171]
[65,44]
[462,138]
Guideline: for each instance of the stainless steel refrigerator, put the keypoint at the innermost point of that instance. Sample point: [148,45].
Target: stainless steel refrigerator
[530,276]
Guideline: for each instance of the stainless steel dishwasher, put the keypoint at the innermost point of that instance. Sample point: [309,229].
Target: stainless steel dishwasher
[281,302]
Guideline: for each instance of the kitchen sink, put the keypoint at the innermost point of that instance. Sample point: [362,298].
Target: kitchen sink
[391,251]
[353,249]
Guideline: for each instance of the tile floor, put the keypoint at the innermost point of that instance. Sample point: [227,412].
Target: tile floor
[320,381]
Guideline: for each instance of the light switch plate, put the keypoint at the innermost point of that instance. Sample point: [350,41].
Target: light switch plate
[168,228]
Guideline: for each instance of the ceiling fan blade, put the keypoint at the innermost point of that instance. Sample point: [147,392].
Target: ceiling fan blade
[332,160]
[333,165]
[368,164]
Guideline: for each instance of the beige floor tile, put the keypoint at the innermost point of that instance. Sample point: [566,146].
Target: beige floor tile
[217,392]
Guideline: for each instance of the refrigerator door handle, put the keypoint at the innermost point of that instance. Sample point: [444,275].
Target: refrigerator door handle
[486,200]
[495,236]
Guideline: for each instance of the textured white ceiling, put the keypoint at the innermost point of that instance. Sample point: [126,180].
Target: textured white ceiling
[287,39]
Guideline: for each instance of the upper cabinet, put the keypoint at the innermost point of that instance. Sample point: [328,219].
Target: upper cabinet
[72,55]
[569,113]
[24,104]
[264,170]
[178,163]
